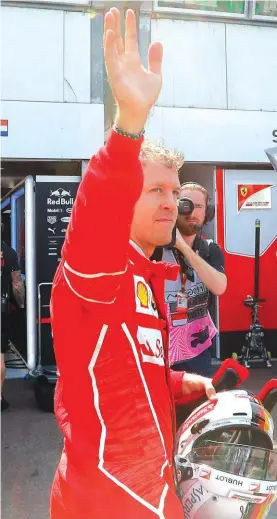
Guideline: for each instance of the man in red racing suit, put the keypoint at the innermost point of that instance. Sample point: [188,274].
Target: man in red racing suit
[114,396]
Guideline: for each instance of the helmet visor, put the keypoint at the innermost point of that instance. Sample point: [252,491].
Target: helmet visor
[239,460]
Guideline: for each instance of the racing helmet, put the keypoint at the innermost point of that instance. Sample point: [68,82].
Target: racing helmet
[225,463]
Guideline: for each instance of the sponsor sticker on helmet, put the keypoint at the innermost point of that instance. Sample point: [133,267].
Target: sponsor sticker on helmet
[229,480]
[205,473]
[254,487]
[247,497]
[271,488]
[207,408]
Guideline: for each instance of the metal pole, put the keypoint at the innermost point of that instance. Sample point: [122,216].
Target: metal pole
[215,236]
[257,260]
[30,270]
[14,218]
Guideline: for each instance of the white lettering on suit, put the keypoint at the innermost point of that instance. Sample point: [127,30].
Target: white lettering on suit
[151,345]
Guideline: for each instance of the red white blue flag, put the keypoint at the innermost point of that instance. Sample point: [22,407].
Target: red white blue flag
[4,127]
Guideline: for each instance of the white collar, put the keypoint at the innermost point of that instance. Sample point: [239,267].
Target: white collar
[138,249]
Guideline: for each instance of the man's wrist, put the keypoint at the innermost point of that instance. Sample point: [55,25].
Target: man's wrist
[134,136]
[131,122]
[184,248]
[186,384]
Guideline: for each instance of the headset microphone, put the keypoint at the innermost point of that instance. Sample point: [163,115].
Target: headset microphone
[198,227]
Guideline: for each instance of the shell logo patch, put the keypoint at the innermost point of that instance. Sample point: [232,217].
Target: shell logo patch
[144,298]
[142,294]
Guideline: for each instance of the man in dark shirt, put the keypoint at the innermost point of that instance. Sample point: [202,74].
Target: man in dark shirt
[187,299]
[10,280]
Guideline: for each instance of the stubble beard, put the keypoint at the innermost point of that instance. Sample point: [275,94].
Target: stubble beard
[187,229]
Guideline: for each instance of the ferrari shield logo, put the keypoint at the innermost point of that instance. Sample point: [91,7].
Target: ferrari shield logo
[243,191]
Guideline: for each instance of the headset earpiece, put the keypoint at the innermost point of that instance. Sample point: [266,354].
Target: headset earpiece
[210,211]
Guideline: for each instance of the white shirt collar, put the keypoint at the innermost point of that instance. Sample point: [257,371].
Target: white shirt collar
[138,249]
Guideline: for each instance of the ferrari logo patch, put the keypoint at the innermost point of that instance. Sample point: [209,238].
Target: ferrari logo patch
[243,191]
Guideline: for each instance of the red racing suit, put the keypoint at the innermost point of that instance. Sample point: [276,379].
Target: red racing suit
[114,396]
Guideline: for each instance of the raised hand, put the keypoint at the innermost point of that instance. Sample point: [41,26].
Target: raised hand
[135,88]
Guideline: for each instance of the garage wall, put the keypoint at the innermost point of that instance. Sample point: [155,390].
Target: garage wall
[217,65]
[47,55]
[218,101]
[52,82]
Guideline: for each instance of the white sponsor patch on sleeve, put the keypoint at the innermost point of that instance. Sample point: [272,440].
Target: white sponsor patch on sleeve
[151,345]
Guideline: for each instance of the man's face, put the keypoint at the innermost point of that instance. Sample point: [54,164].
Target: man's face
[186,224]
[156,210]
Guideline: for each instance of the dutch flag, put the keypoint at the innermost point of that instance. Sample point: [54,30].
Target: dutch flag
[4,127]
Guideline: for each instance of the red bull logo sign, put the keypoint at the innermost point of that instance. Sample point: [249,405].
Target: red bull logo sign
[60,196]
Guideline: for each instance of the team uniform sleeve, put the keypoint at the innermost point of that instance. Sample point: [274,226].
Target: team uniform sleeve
[94,255]
[216,258]
[176,383]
